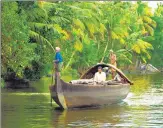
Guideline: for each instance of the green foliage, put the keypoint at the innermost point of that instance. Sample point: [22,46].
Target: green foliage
[69,74]
[157,43]
[124,56]
[2,83]
[17,52]
[85,31]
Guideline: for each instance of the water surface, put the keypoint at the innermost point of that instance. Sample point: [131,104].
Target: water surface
[30,108]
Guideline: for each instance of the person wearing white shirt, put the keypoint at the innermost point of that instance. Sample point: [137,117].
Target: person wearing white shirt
[100,76]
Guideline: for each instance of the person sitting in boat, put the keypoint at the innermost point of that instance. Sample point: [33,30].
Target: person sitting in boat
[58,61]
[100,76]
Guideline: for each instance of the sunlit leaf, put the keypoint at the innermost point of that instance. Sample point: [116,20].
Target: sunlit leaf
[78,46]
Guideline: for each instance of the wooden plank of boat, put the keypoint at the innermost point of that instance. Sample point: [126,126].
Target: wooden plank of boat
[68,95]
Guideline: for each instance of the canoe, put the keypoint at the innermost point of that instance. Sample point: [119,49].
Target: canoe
[68,95]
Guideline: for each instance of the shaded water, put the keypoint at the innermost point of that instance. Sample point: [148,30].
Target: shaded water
[143,107]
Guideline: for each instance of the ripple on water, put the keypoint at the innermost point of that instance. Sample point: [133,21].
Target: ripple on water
[142,109]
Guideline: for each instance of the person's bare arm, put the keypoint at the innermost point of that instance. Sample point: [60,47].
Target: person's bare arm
[115,57]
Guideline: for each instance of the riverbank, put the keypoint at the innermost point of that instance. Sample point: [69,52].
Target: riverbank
[20,83]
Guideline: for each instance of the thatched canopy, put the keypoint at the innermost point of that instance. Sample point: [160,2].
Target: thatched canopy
[91,72]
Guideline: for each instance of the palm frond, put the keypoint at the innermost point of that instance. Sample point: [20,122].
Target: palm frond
[79,23]
[40,38]
[78,46]
[141,46]
[59,19]
[149,29]
[114,35]
[41,26]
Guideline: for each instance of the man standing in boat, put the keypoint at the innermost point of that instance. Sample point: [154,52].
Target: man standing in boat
[113,60]
[58,61]
[100,76]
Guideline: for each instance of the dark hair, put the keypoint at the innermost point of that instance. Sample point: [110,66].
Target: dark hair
[99,67]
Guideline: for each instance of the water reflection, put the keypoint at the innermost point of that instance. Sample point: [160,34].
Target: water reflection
[143,107]
[126,114]
[89,117]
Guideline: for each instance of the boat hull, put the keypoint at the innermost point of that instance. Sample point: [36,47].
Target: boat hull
[83,95]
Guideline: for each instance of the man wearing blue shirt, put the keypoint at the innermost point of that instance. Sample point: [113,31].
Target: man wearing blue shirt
[58,61]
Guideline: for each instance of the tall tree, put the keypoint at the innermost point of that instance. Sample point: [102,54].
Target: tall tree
[17,53]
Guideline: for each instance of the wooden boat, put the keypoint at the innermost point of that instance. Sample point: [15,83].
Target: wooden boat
[68,95]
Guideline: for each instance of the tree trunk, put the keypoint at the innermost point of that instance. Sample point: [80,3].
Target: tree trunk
[106,47]
[69,62]
[138,62]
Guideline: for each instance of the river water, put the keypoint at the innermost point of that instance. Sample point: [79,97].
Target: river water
[30,108]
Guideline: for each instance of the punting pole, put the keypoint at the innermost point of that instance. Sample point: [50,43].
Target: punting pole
[51,85]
